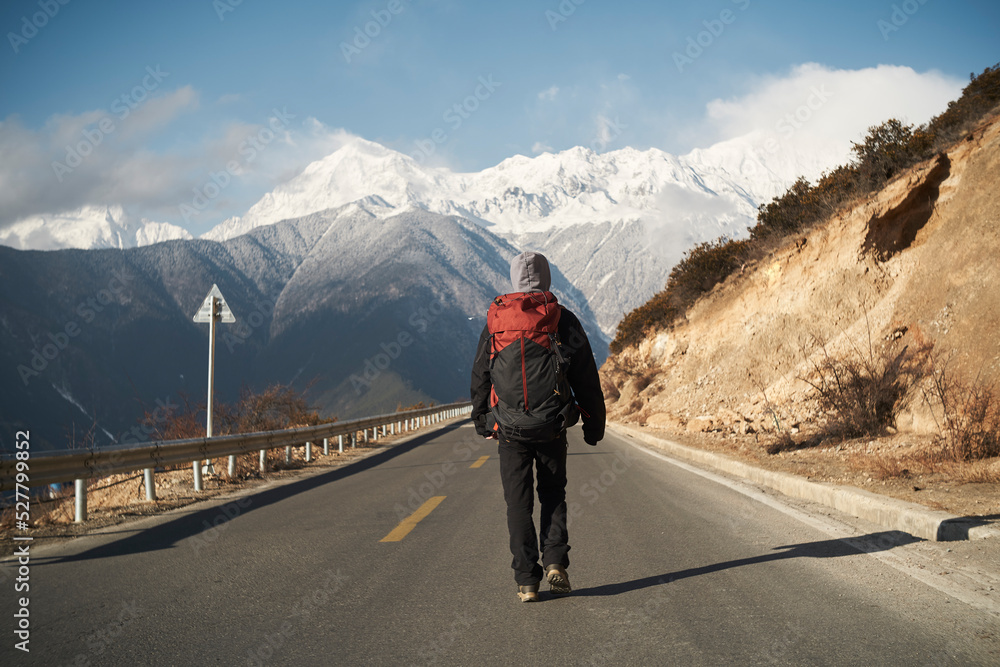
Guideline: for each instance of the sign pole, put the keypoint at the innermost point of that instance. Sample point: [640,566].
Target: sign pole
[211,373]
[211,365]
[211,384]
[213,310]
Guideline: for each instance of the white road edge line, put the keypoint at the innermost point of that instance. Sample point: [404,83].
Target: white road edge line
[840,531]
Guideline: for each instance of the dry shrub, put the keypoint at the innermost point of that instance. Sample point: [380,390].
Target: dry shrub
[967,414]
[884,466]
[863,392]
[275,408]
[783,442]
[975,472]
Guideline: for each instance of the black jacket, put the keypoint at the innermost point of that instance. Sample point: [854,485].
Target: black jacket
[582,375]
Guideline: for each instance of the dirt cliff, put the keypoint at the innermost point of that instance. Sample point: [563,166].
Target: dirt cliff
[917,263]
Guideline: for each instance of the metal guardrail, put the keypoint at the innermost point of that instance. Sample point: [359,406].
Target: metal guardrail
[81,465]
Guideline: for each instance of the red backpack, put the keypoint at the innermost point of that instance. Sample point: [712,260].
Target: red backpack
[531,399]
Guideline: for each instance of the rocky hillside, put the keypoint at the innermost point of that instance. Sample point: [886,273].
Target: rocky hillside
[913,264]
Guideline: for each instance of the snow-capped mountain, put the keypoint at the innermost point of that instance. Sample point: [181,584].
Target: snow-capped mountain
[519,195]
[89,227]
[615,223]
[365,307]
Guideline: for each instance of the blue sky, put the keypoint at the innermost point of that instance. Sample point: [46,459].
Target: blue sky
[462,84]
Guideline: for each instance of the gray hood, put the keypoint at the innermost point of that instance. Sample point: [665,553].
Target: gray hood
[529,272]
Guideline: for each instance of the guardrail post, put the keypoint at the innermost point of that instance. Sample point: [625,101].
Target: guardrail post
[232,466]
[81,500]
[147,474]
[197,475]
[309,452]
[364,434]
[263,460]
[288,454]
[340,444]
[326,446]
[354,439]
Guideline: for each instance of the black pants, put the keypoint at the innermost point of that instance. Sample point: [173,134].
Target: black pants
[517,459]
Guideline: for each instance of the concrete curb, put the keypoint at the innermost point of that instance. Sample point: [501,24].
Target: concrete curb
[894,514]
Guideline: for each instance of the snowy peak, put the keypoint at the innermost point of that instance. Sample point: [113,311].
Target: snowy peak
[88,227]
[357,170]
[550,191]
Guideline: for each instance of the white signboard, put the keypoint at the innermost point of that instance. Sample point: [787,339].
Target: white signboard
[204,313]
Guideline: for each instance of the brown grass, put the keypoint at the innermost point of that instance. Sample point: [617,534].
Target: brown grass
[967,414]
[863,390]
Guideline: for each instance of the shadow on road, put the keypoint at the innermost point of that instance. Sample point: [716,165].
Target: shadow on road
[168,534]
[853,546]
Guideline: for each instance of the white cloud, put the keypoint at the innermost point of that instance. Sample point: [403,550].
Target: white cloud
[815,105]
[539,147]
[95,158]
[229,98]
[549,94]
[158,112]
[688,217]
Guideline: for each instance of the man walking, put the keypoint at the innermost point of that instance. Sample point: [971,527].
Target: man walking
[533,376]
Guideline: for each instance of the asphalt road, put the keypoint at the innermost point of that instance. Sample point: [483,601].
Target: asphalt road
[668,568]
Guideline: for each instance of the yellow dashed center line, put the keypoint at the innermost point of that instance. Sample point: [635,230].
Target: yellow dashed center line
[410,522]
[481,461]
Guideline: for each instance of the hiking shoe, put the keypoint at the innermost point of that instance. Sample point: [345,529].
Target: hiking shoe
[528,593]
[558,580]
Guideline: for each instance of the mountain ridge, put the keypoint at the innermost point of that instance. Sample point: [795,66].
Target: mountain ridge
[361,316]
